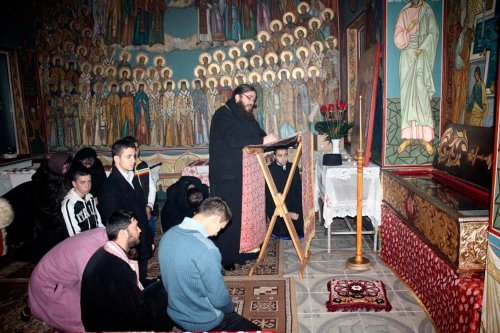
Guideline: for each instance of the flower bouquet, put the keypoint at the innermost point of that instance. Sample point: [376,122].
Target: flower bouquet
[334,127]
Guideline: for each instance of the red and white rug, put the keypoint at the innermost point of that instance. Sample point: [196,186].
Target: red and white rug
[352,295]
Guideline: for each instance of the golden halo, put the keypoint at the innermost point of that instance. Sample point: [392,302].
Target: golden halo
[328,39]
[69,43]
[234,48]
[253,74]
[203,55]
[252,59]
[225,78]
[303,3]
[54,58]
[294,19]
[247,42]
[197,68]
[286,71]
[124,69]
[211,66]
[269,72]
[139,70]
[227,62]
[240,59]
[290,55]
[107,68]
[98,66]
[139,83]
[85,30]
[183,80]
[313,19]
[295,70]
[216,53]
[127,83]
[327,10]
[235,80]
[101,38]
[271,55]
[158,83]
[302,48]
[169,81]
[79,47]
[212,79]
[296,32]
[311,69]
[86,63]
[167,69]
[317,43]
[286,35]
[142,55]
[156,58]
[273,22]
[194,80]
[263,33]
[125,52]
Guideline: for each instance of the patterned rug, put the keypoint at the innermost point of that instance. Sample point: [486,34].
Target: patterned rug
[268,303]
[352,295]
[272,265]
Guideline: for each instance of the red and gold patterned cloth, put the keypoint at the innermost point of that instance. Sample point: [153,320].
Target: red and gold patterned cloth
[453,302]
[253,204]
[308,191]
[352,295]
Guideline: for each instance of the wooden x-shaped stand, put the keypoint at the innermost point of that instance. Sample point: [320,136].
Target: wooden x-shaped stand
[279,200]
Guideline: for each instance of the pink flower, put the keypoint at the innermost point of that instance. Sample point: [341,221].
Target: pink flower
[324,109]
[331,107]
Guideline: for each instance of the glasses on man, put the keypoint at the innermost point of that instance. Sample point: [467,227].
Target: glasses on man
[250,98]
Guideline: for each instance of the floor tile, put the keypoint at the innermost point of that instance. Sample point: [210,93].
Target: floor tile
[337,322]
[387,322]
[408,302]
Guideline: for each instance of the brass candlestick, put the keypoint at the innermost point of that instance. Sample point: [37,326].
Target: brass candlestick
[359,262]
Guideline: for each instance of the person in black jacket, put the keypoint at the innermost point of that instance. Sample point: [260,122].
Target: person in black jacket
[112,298]
[88,157]
[183,197]
[280,169]
[50,187]
[233,127]
[122,190]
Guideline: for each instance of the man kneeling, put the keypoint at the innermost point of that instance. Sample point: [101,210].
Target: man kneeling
[112,298]
[190,265]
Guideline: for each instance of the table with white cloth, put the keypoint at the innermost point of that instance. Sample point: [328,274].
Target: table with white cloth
[337,187]
[14,177]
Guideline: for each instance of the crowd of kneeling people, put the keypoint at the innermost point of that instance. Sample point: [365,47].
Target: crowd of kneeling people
[96,280]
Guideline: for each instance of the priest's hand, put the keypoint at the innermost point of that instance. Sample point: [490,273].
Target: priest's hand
[270,138]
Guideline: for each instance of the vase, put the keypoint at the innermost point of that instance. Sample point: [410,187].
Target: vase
[336,146]
[335,158]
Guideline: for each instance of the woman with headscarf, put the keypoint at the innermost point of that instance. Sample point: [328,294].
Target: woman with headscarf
[88,157]
[50,187]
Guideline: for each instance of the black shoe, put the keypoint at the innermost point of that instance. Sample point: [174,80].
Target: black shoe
[229,267]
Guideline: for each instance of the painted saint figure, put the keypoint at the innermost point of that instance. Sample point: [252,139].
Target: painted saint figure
[416,35]
[477,106]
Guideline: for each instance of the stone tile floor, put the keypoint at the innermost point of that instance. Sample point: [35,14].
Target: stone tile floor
[406,315]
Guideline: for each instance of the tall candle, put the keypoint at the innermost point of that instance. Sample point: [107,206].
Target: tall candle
[360,126]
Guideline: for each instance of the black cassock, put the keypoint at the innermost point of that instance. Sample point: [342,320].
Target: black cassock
[293,200]
[230,132]
[176,207]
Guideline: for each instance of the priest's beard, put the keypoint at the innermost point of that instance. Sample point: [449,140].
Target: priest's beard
[246,114]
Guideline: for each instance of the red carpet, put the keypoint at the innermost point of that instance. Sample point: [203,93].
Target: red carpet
[352,295]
